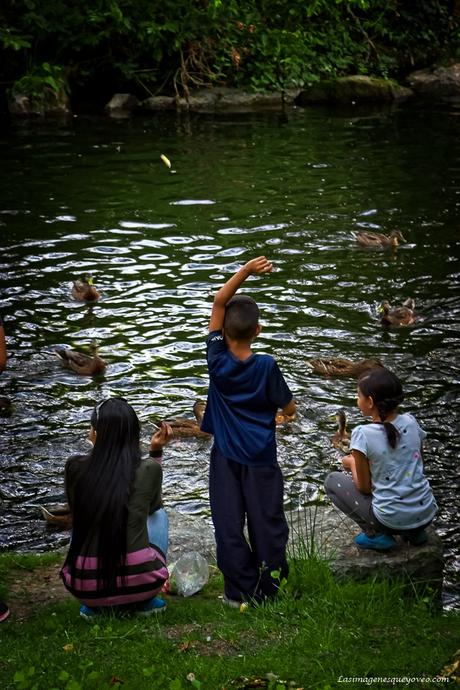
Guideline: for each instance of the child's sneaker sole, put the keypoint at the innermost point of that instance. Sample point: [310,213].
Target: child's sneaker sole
[232,603]
[87,613]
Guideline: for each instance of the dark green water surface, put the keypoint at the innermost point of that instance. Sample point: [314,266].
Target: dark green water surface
[92,195]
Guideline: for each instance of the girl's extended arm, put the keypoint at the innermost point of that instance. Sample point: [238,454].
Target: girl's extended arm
[226,292]
[361,473]
[358,465]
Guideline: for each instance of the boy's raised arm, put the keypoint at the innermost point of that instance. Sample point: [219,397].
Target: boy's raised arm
[254,267]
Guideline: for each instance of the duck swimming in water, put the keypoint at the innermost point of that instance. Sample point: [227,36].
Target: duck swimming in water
[187,428]
[57,516]
[199,408]
[341,438]
[339,366]
[378,240]
[184,427]
[85,290]
[397,316]
[84,365]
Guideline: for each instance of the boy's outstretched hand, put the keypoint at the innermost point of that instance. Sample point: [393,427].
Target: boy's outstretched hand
[258,266]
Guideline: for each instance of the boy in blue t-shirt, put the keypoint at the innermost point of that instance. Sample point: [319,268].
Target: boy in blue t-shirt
[245,480]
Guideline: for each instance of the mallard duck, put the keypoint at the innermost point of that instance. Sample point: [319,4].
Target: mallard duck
[183,427]
[85,290]
[341,438]
[58,516]
[378,239]
[397,316]
[199,408]
[84,365]
[339,366]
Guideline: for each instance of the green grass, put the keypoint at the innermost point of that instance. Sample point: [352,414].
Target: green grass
[315,632]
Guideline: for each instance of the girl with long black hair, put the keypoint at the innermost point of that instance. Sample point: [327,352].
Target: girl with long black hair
[117,554]
[387,492]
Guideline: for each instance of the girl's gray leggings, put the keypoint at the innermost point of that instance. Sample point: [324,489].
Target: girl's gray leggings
[358,506]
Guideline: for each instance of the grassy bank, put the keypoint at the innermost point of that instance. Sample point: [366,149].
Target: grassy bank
[317,632]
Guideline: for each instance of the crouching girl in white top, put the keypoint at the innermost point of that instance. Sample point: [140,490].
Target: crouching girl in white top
[387,492]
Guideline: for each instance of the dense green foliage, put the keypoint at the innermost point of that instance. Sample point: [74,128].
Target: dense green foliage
[149,46]
[317,631]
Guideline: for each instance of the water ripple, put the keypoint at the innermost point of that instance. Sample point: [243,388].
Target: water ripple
[158,254]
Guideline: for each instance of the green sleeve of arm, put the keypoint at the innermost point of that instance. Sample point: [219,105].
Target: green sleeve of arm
[155,484]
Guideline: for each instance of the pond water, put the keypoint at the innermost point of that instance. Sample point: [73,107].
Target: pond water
[92,196]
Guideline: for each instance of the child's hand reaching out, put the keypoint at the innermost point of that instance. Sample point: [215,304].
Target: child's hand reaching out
[161,437]
[348,461]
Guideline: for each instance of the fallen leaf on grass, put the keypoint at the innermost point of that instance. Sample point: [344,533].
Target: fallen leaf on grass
[68,648]
[189,644]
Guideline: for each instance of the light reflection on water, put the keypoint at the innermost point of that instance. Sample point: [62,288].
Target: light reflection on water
[94,197]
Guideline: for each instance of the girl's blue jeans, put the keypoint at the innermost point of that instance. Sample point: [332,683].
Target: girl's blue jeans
[158,529]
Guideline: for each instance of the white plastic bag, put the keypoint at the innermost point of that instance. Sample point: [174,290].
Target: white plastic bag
[189,573]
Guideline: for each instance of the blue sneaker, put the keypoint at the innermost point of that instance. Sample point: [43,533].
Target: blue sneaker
[379,542]
[87,613]
[155,605]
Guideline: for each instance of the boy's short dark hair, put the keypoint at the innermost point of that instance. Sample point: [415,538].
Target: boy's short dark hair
[241,318]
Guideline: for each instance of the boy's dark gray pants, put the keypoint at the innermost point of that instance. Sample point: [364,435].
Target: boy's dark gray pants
[237,492]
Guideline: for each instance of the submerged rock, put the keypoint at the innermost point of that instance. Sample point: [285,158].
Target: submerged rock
[356,88]
[222,99]
[48,102]
[159,103]
[122,103]
[440,82]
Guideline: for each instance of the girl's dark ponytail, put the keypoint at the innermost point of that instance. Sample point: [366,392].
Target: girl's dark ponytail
[384,407]
[386,391]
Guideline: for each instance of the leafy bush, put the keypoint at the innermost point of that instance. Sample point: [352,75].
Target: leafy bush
[262,45]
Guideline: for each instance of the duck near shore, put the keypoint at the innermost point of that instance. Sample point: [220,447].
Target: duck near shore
[184,427]
[58,516]
[341,438]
